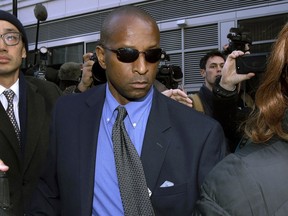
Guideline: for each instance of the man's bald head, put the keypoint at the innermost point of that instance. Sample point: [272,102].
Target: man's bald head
[113,20]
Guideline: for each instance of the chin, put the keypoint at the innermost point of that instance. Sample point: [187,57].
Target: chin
[137,95]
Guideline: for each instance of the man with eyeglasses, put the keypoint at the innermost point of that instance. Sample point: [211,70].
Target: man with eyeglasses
[26,104]
[88,171]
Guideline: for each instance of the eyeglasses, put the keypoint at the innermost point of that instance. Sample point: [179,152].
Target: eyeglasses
[11,38]
[128,55]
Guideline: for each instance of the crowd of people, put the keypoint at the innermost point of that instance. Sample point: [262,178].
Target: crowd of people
[128,145]
[253,180]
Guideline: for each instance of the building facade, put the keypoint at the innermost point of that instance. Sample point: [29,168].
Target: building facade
[189,28]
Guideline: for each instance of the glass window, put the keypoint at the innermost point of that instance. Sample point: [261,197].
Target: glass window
[263,30]
[68,53]
[90,47]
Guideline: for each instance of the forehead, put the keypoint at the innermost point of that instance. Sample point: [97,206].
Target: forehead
[215,59]
[7,27]
[131,29]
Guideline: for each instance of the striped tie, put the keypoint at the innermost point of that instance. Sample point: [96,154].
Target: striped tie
[9,94]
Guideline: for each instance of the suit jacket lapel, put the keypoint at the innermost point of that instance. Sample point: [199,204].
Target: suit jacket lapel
[156,140]
[89,128]
[154,149]
[34,122]
[7,129]
[6,125]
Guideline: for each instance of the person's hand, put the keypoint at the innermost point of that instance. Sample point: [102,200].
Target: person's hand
[3,167]
[87,75]
[230,78]
[178,95]
[225,47]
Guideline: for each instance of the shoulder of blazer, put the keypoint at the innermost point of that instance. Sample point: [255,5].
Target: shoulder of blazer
[41,90]
[197,103]
[43,86]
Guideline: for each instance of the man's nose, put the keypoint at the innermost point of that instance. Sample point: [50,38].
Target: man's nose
[140,65]
[219,67]
[2,43]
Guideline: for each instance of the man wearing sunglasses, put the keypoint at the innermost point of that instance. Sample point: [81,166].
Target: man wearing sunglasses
[175,145]
[93,74]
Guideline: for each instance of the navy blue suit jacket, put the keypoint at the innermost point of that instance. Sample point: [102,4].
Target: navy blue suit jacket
[180,145]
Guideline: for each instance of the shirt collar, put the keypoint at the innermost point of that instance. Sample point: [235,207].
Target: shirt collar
[135,109]
[14,88]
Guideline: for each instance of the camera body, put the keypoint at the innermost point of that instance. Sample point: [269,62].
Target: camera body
[238,40]
[255,63]
[170,76]
[94,57]
[98,72]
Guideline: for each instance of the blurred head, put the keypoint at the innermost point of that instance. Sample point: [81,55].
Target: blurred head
[210,67]
[13,45]
[272,95]
[69,74]
[129,52]
[70,71]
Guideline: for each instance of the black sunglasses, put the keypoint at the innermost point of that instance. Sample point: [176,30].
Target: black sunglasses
[128,55]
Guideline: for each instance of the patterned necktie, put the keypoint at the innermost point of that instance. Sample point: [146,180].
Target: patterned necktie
[131,177]
[9,94]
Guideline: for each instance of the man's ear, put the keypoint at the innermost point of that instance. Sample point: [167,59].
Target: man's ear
[24,53]
[100,56]
[203,73]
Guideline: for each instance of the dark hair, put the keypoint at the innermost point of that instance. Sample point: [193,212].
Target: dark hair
[208,55]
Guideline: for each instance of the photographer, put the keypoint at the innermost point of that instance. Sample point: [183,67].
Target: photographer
[211,65]
[230,101]
[86,77]
[238,40]
[253,180]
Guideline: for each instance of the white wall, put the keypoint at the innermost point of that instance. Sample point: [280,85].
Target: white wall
[57,9]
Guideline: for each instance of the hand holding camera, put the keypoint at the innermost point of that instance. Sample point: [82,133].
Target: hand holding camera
[230,76]
[255,63]
[250,63]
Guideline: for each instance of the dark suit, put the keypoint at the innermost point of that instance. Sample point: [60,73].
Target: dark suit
[180,145]
[36,98]
[250,182]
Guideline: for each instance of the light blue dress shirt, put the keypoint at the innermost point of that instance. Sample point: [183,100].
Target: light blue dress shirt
[107,200]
